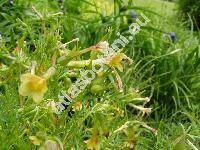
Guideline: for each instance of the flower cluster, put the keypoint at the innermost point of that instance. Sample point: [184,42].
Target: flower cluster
[98,66]
[89,87]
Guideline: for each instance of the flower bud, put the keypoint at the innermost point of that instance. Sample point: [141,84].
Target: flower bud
[97,89]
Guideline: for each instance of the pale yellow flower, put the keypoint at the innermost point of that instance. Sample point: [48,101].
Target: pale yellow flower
[34,86]
[93,143]
[130,143]
[51,105]
[119,112]
[101,46]
[35,140]
[115,61]
[77,106]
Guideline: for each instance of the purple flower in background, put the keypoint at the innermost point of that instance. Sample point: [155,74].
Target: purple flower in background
[133,14]
[172,36]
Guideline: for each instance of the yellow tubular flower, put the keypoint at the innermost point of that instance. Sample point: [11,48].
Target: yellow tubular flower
[35,140]
[35,86]
[101,46]
[77,106]
[93,143]
[115,61]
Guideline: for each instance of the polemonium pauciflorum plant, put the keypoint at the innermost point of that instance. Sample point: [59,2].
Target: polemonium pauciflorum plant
[93,104]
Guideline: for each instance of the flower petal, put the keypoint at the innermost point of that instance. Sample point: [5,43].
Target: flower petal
[119,67]
[34,140]
[44,87]
[37,97]
[25,77]
[24,90]
[49,73]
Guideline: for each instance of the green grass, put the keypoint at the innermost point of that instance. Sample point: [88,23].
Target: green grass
[166,71]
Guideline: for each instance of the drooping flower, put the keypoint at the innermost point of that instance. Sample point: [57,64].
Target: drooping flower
[51,105]
[77,106]
[101,46]
[32,85]
[118,81]
[119,112]
[35,86]
[35,140]
[115,61]
[130,143]
[93,143]
[100,50]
